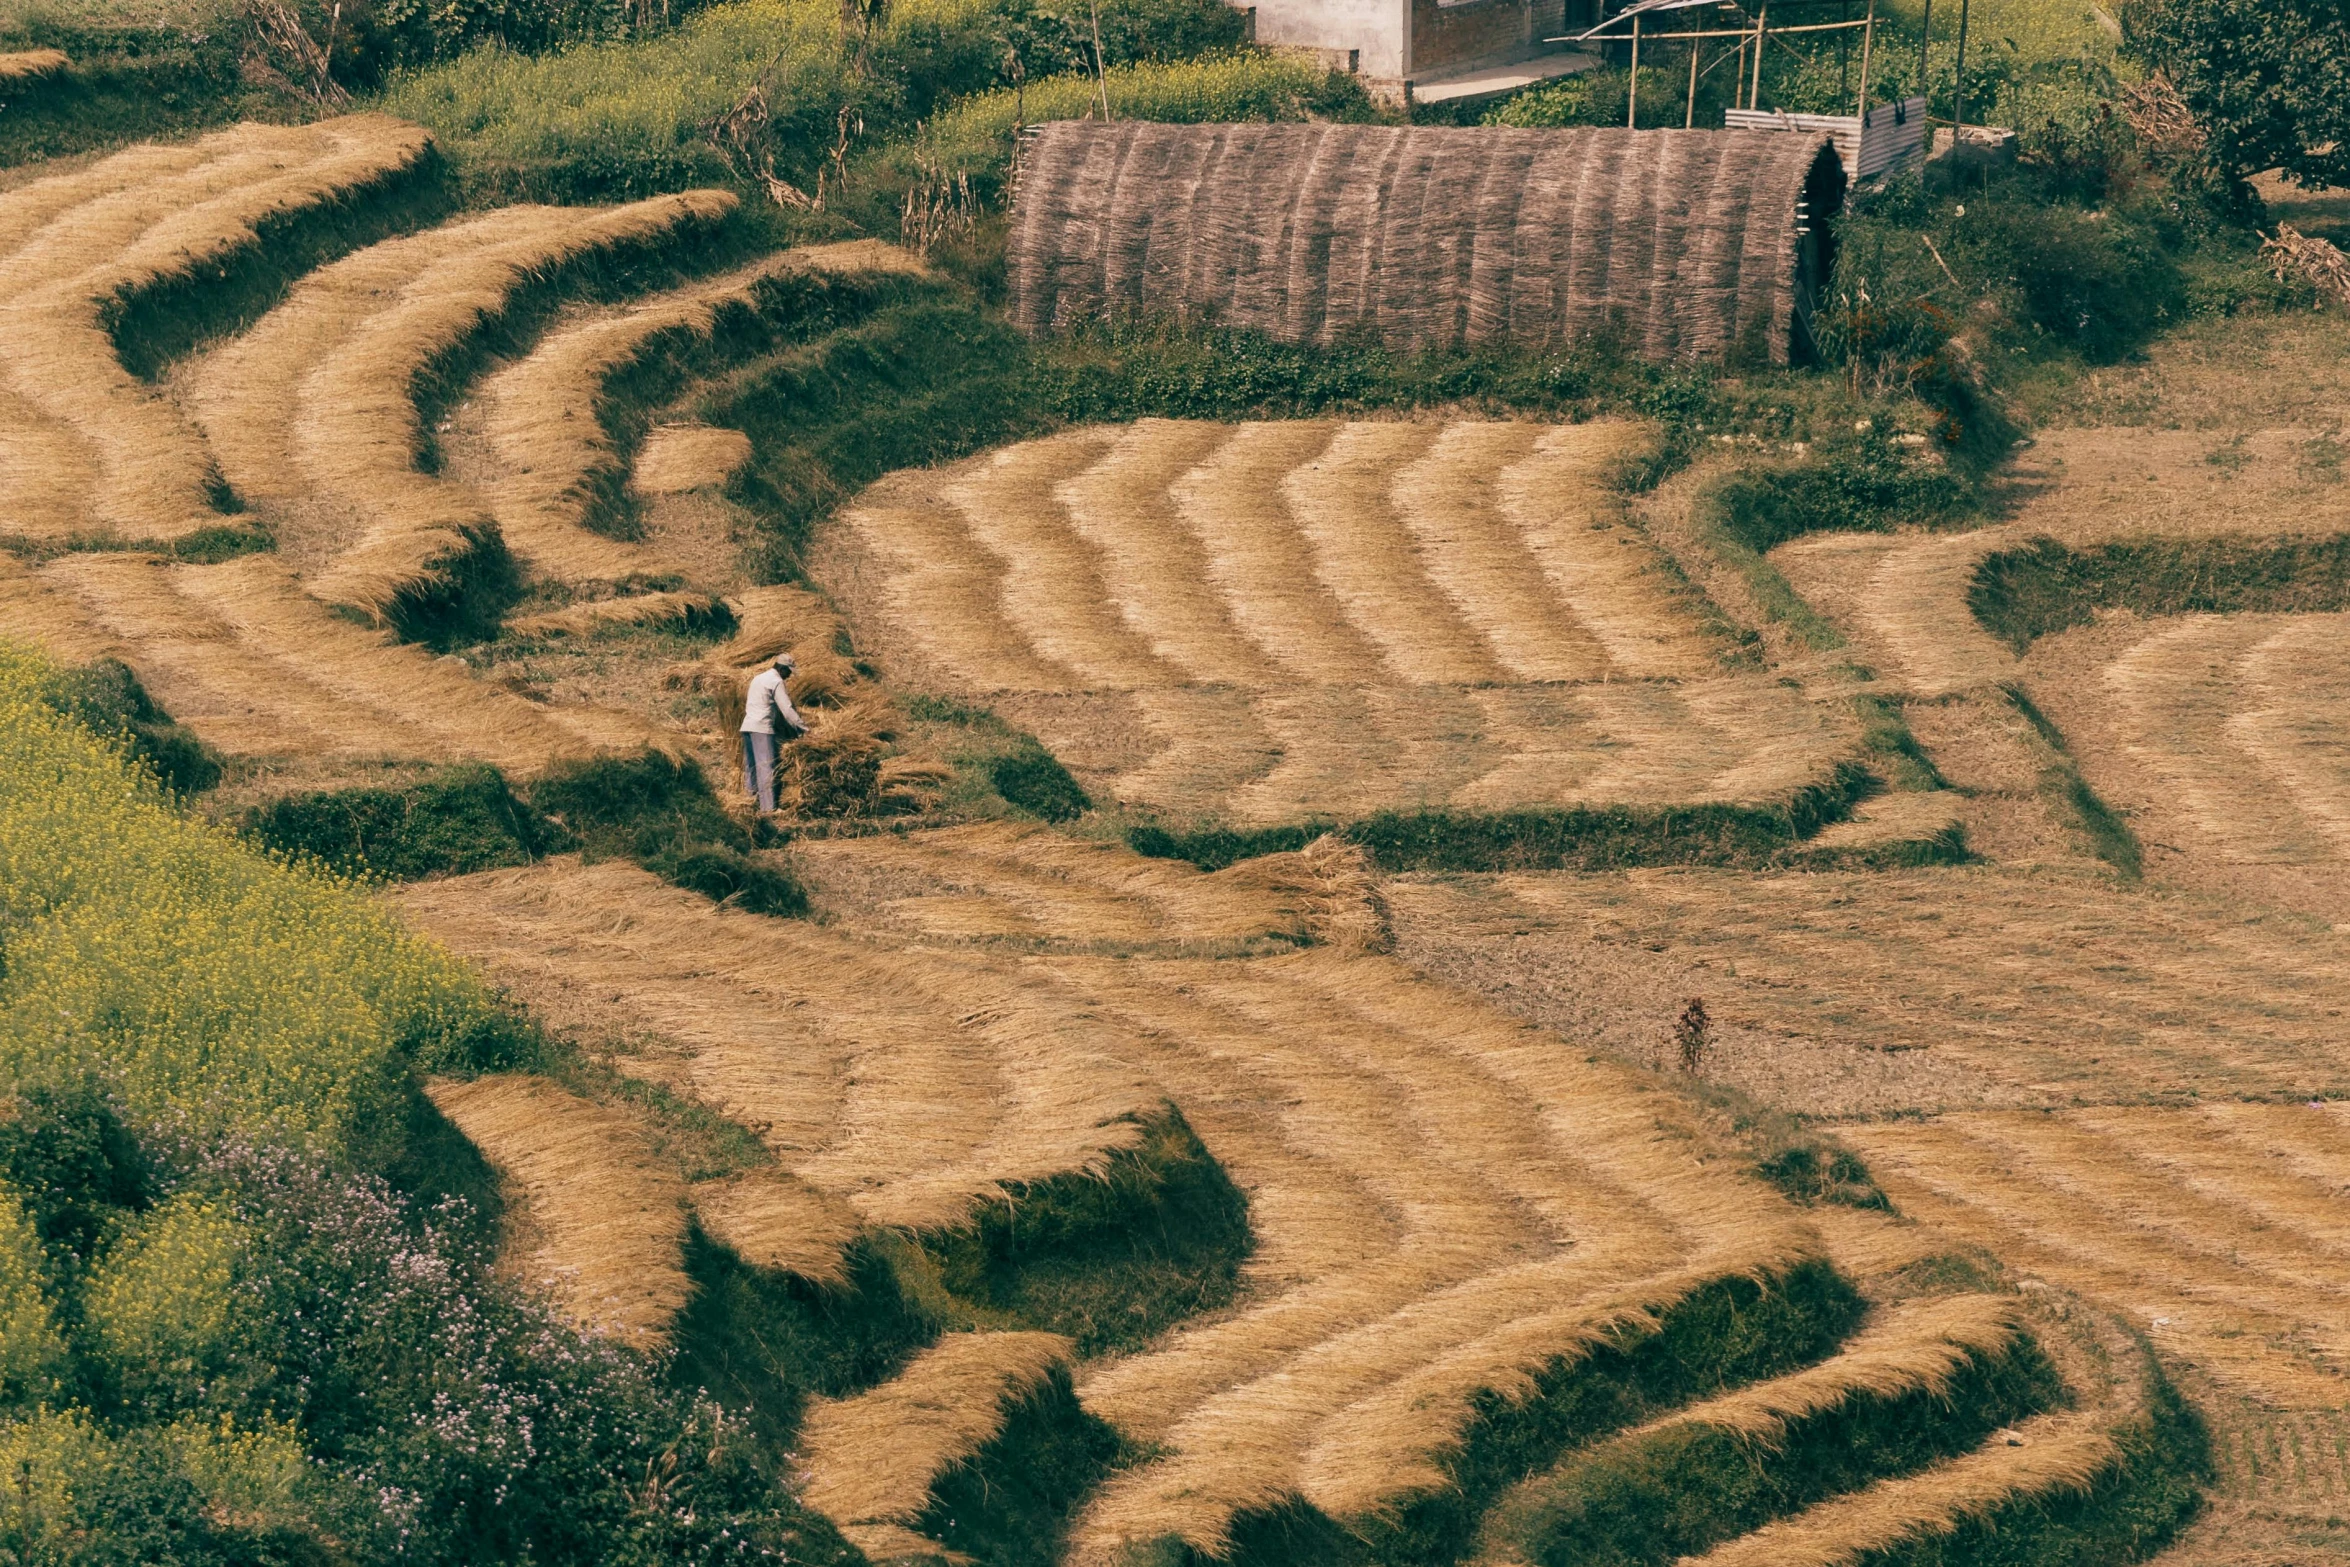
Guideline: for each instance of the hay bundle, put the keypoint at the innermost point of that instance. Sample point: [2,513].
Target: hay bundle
[2317,262]
[27,65]
[1685,242]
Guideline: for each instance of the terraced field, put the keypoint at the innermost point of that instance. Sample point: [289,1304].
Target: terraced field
[1484,1277]
[1270,622]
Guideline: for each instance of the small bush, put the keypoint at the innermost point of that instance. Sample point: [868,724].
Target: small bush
[1033,779]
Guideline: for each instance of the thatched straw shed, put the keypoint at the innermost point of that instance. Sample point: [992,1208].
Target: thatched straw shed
[1686,244]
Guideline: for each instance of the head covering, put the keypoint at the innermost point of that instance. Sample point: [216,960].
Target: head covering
[783,661]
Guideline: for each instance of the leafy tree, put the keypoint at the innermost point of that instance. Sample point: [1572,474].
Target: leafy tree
[2268,79]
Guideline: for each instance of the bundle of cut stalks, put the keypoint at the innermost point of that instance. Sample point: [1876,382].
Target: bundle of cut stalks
[2295,256]
[32,64]
[1329,882]
[769,621]
[2160,118]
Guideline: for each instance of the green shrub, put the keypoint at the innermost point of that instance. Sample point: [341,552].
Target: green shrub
[2268,81]
[461,819]
[1033,779]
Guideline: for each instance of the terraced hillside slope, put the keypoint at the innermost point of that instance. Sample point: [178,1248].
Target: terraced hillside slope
[1041,1201]
[2110,1049]
[1268,623]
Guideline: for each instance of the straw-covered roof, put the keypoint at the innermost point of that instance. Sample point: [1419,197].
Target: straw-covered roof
[1688,244]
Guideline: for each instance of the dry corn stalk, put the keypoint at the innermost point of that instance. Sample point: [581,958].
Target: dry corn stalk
[2160,117]
[2294,256]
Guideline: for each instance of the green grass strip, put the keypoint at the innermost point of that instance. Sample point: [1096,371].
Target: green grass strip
[1649,1497]
[1721,1335]
[1009,1504]
[1612,837]
[2043,587]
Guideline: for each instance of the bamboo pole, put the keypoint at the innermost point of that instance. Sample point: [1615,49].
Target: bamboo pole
[1632,98]
[1925,87]
[1868,40]
[1689,120]
[1958,116]
[1762,22]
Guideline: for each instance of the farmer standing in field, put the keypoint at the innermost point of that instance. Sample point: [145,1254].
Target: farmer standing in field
[769,720]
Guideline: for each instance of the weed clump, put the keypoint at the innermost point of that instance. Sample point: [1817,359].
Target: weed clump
[1033,779]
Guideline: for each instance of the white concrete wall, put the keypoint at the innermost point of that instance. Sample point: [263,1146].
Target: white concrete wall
[1378,29]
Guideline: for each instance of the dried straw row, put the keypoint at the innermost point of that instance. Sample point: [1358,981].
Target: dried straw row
[1050,588]
[604,1218]
[357,434]
[33,205]
[58,286]
[1481,559]
[1684,242]
[1295,1393]
[2229,714]
[1004,876]
[248,394]
[546,411]
[260,668]
[2231,1315]
[636,609]
[774,1220]
[679,458]
[1913,608]
[34,608]
[1920,1346]
[26,65]
[907,1085]
[2293,719]
[1153,571]
[47,473]
[868,1462]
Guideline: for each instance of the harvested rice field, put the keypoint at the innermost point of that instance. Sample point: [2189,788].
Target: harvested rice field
[1311,620]
[1071,1132]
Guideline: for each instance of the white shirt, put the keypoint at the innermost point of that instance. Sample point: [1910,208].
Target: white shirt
[768,701]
